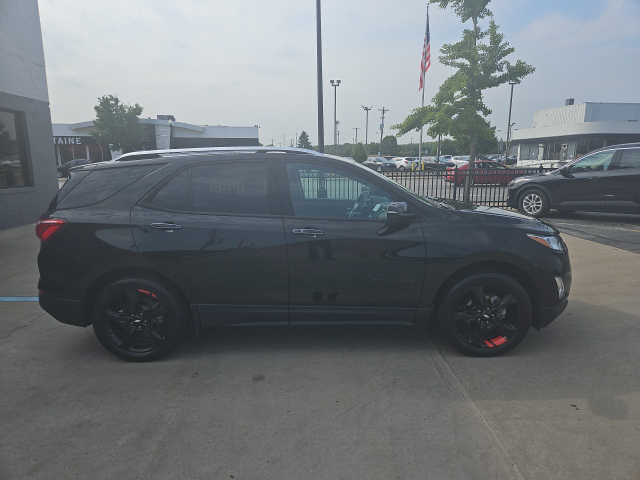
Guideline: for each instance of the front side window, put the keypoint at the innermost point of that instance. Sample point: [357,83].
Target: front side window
[230,188]
[630,158]
[329,192]
[597,162]
[13,159]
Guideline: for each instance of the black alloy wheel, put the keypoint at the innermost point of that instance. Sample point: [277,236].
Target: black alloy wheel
[486,315]
[379,168]
[138,319]
[60,174]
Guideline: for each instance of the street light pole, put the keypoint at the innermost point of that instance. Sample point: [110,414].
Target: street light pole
[366,131]
[320,83]
[506,152]
[335,86]
[356,129]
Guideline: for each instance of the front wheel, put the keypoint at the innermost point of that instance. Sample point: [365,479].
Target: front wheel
[486,314]
[138,319]
[379,168]
[534,202]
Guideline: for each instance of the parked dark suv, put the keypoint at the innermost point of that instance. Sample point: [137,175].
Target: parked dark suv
[142,248]
[605,180]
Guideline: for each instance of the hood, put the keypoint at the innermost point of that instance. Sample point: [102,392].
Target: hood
[498,216]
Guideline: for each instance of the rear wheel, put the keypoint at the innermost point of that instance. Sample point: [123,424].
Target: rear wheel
[534,202]
[486,315]
[138,319]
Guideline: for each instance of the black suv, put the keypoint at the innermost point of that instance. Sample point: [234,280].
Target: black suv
[605,180]
[143,248]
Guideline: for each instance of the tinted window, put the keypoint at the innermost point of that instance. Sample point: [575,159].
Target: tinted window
[630,158]
[593,163]
[174,195]
[13,159]
[101,184]
[233,188]
[322,191]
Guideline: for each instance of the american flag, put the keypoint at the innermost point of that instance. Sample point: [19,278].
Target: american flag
[425,61]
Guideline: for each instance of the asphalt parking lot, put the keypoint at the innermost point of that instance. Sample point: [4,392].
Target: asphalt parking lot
[328,402]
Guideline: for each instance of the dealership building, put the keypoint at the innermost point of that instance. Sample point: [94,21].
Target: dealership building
[74,141]
[565,133]
[28,178]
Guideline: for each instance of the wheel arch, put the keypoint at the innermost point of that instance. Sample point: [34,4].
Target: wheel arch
[92,292]
[534,186]
[487,266]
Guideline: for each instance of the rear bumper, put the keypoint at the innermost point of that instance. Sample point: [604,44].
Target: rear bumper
[64,310]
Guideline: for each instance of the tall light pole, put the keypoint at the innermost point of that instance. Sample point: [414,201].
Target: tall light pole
[356,129]
[366,131]
[506,152]
[320,83]
[383,110]
[335,86]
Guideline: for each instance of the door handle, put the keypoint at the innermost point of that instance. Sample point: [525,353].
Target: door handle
[308,232]
[166,226]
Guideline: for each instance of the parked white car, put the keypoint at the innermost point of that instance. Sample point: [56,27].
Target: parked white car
[402,163]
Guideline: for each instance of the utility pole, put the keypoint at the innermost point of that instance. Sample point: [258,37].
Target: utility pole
[356,129]
[335,86]
[383,110]
[366,131]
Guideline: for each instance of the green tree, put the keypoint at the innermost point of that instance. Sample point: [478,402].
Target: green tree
[458,109]
[390,145]
[117,124]
[303,141]
[358,153]
[374,148]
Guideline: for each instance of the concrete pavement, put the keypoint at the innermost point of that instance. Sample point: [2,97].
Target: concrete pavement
[326,402]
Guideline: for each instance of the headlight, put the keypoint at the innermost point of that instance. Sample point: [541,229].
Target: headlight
[516,181]
[554,243]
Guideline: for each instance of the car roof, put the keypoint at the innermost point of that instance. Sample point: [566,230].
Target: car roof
[217,153]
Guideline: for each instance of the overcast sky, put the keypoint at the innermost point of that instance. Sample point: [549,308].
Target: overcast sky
[249,62]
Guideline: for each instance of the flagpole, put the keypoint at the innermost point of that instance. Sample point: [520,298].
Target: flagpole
[424,72]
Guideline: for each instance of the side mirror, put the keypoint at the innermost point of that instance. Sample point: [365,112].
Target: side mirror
[398,212]
[564,171]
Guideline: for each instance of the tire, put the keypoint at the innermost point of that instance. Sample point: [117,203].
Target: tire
[60,174]
[534,202]
[486,314]
[401,168]
[379,168]
[138,319]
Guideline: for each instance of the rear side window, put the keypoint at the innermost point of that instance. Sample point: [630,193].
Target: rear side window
[630,158]
[231,188]
[174,195]
[101,184]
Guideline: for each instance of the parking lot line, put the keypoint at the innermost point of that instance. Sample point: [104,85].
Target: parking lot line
[18,299]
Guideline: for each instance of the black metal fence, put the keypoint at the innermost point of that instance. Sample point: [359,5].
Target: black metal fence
[488,187]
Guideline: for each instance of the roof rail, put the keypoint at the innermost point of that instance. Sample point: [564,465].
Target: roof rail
[146,154]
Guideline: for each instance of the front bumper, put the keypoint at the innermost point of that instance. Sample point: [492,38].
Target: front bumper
[549,314]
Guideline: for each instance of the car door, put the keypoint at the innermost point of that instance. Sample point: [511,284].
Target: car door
[216,230]
[584,184]
[625,182]
[346,264]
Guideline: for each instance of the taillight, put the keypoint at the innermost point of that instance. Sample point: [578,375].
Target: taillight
[46,227]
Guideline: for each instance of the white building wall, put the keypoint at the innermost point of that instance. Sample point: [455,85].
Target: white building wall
[22,68]
[560,116]
[612,112]
[163,136]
